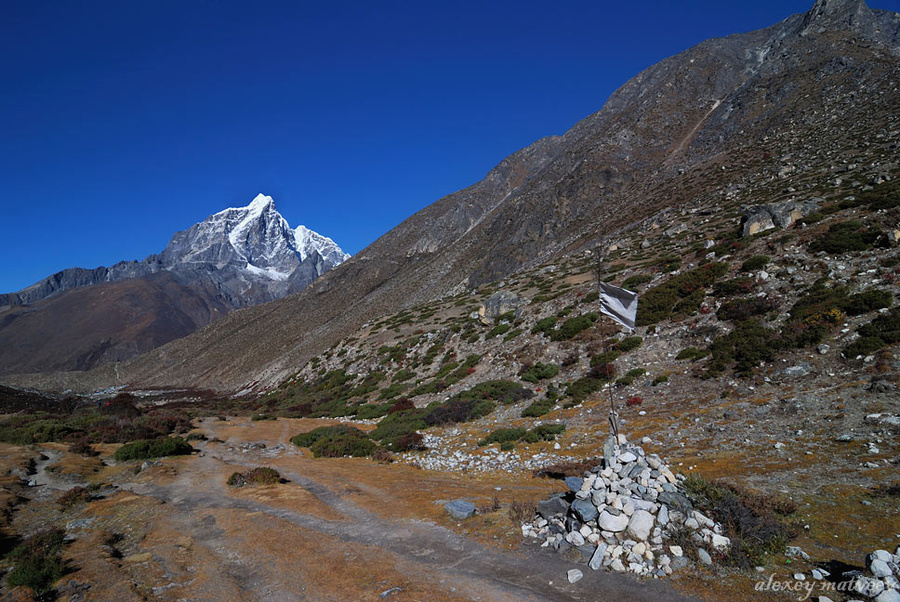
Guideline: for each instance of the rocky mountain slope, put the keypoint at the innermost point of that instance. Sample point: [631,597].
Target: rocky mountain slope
[765,116]
[239,257]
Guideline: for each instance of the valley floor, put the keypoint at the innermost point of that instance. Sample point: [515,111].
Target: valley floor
[335,530]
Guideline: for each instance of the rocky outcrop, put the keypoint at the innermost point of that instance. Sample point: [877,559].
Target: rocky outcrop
[776,215]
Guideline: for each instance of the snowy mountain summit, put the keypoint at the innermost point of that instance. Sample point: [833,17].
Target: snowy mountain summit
[257,240]
[242,255]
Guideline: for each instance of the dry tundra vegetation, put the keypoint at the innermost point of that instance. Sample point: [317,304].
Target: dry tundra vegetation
[762,367]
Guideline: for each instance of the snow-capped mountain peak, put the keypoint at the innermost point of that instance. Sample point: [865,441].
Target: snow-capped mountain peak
[257,242]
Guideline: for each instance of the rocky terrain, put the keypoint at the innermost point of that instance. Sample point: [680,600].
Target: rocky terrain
[768,116]
[239,257]
[459,373]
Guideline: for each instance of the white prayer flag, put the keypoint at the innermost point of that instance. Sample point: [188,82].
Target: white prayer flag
[619,304]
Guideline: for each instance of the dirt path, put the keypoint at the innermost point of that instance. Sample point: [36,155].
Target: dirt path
[431,560]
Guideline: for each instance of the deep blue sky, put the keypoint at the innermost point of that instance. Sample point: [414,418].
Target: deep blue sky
[123,122]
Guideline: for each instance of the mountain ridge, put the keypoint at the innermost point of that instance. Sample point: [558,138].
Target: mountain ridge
[238,257]
[731,118]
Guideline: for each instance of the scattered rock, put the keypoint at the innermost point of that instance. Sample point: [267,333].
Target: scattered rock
[704,557]
[574,575]
[796,371]
[460,509]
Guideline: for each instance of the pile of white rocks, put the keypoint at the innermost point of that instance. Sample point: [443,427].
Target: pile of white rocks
[884,583]
[445,454]
[622,515]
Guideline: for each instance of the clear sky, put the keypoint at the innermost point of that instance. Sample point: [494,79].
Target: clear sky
[124,122]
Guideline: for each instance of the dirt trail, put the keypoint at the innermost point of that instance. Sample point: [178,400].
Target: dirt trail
[426,560]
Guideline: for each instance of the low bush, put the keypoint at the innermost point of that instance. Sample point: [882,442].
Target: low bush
[692,353]
[630,377]
[583,388]
[634,281]
[749,344]
[521,511]
[737,310]
[542,406]
[757,262]
[37,562]
[877,334]
[634,401]
[346,441]
[155,448]
[498,330]
[410,442]
[262,475]
[846,237]
[629,344]
[741,285]
[370,411]
[545,325]
[755,524]
[501,435]
[681,294]
[539,372]
[75,496]
[605,357]
[573,326]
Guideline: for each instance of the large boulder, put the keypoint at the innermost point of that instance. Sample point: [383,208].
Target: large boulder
[776,215]
[502,302]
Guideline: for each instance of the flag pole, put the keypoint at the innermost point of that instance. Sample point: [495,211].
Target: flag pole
[613,416]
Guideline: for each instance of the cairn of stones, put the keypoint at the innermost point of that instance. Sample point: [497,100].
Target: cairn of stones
[883,582]
[623,514]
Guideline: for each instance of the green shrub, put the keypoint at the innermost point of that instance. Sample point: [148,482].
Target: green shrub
[629,344]
[681,294]
[155,448]
[635,281]
[661,378]
[396,425]
[262,475]
[539,372]
[37,562]
[458,410]
[342,440]
[737,310]
[542,406]
[501,435]
[757,262]
[692,353]
[846,237]
[880,332]
[754,523]
[371,411]
[548,432]
[630,377]
[403,375]
[258,417]
[392,390]
[741,285]
[498,330]
[604,358]
[573,326]
[866,301]
[745,347]
[583,388]
[545,325]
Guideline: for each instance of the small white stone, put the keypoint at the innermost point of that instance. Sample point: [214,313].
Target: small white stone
[676,550]
[574,575]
